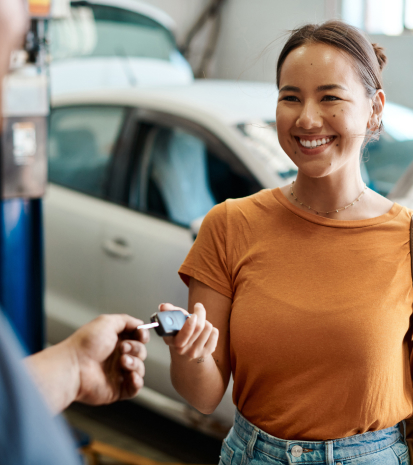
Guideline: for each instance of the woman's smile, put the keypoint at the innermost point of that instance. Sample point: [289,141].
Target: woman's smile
[314,145]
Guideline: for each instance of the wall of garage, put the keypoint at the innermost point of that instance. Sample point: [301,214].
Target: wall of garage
[252,35]
[397,76]
[184,12]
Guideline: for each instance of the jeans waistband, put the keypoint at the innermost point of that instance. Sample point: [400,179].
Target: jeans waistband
[328,451]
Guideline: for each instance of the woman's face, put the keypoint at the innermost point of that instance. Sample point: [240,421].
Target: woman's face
[323,110]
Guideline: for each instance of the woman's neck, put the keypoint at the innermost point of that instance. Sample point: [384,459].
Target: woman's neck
[347,194]
[329,193]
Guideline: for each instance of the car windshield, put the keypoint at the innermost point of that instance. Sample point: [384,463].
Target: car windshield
[106,31]
[386,160]
[261,137]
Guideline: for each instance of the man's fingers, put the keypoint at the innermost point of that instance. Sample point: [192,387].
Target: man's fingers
[128,324]
[134,348]
[142,335]
[131,385]
[122,322]
[130,363]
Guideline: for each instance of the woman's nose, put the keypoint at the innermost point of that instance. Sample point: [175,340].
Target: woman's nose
[310,117]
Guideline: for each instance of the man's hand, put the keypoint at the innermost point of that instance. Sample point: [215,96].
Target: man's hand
[109,352]
[100,363]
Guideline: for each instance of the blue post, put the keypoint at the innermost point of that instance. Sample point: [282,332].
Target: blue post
[21,269]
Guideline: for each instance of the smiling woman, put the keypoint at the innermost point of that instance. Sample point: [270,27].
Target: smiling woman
[308,285]
[330,105]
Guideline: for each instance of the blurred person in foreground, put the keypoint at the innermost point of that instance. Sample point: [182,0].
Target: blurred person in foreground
[100,363]
[304,293]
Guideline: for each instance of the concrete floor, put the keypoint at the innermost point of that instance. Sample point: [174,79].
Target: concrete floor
[133,428]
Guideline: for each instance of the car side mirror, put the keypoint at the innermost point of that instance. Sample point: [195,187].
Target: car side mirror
[195,226]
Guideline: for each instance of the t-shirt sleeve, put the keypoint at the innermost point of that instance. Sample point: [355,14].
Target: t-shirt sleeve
[207,260]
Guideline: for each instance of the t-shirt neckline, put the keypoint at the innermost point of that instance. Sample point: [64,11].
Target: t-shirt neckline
[392,213]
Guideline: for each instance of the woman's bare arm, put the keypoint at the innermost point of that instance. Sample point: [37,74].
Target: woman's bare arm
[200,360]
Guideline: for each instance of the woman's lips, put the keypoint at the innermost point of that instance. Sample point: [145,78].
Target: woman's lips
[319,148]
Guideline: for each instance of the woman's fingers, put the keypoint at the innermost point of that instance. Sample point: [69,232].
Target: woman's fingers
[198,346]
[197,335]
[169,307]
[200,313]
[212,342]
[181,340]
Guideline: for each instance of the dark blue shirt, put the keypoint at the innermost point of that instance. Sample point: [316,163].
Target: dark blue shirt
[29,434]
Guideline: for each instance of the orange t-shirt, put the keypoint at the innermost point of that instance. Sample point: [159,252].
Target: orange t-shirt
[319,317]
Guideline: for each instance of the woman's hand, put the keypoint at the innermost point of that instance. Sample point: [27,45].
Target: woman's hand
[197,339]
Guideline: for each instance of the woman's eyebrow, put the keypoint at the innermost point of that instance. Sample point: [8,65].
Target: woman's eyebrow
[319,88]
[289,89]
[330,87]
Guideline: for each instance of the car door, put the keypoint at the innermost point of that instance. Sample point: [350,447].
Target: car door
[181,171]
[82,144]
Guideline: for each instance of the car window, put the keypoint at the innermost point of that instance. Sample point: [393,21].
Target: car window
[388,159]
[183,178]
[262,139]
[106,31]
[81,143]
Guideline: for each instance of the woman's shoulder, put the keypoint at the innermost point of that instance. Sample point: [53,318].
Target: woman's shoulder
[253,203]
[405,214]
[250,203]
[239,210]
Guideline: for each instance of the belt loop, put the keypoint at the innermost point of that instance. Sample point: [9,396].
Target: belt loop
[251,443]
[329,452]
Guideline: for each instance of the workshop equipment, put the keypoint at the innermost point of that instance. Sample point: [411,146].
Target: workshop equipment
[25,102]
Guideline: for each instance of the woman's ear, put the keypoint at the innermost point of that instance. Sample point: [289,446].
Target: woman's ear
[377,107]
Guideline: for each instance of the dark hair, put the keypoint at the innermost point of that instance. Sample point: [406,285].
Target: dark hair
[369,59]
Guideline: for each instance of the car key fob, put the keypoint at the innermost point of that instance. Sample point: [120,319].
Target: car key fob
[170,322]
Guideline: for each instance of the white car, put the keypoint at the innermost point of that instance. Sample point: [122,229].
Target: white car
[132,174]
[114,43]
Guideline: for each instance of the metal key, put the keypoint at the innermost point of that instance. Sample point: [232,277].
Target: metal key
[166,323]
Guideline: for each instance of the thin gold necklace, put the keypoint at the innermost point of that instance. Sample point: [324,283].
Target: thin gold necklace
[336,210]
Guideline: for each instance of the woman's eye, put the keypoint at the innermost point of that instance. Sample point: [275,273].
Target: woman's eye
[330,98]
[290,98]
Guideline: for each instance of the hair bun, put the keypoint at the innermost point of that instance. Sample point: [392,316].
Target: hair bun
[380,55]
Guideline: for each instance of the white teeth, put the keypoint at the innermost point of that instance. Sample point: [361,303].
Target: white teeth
[314,143]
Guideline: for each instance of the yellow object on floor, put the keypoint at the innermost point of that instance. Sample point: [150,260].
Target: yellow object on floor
[97,450]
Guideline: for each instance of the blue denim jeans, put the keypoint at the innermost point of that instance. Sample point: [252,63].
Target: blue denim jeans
[248,445]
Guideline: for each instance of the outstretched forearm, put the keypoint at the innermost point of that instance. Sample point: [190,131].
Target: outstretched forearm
[198,381]
[56,375]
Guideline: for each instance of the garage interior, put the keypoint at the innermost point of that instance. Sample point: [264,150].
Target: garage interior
[204,45]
